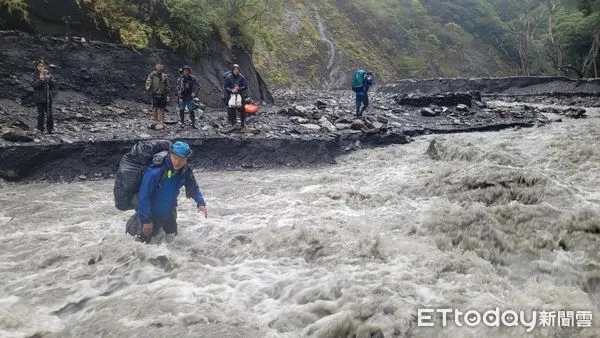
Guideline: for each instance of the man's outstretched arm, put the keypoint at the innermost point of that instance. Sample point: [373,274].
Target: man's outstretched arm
[192,190]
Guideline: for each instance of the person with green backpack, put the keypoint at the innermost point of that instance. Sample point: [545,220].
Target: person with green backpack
[361,82]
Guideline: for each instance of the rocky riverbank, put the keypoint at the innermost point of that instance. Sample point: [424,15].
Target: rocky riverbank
[101,111]
[302,128]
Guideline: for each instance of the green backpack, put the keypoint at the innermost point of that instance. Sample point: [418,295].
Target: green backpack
[358,81]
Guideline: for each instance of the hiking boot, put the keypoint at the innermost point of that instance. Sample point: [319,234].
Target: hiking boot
[181,125]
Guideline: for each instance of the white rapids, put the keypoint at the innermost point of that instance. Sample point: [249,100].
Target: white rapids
[507,219]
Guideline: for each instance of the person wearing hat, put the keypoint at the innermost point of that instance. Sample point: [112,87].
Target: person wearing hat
[157,198]
[188,89]
[235,83]
[43,92]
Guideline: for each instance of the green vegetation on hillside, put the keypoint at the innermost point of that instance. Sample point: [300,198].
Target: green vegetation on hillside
[17,8]
[395,38]
[189,25]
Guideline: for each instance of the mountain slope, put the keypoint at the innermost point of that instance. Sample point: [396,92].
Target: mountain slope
[320,42]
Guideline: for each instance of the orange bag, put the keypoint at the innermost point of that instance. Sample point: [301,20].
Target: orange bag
[251,108]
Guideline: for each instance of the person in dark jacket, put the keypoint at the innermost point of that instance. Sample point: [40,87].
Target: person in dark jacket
[43,88]
[157,85]
[188,89]
[235,83]
[362,96]
[157,198]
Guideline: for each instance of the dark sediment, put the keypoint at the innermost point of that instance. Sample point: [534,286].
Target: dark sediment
[105,72]
[506,86]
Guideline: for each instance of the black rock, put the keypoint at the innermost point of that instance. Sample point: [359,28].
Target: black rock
[81,118]
[382,119]
[293,111]
[462,107]
[433,151]
[428,112]
[372,131]
[377,334]
[575,113]
[343,120]
[20,124]
[316,116]
[15,137]
[446,99]
[358,125]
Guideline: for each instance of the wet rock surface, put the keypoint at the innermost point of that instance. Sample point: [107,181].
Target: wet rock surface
[518,86]
[561,99]
[303,128]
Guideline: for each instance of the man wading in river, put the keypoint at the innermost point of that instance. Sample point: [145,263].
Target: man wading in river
[157,198]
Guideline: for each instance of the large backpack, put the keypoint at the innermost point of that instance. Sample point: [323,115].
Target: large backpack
[131,169]
[358,80]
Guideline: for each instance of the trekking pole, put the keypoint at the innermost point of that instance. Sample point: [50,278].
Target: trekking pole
[47,101]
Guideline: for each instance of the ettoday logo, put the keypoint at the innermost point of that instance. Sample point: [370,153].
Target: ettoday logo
[508,318]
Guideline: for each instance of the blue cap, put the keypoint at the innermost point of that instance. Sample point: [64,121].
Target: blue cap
[181,149]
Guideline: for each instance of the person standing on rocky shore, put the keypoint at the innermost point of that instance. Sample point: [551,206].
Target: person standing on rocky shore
[235,85]
[361,84]
[43,87]
[157,85]
[188,90]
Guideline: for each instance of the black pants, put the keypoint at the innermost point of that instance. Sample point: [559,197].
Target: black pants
[45,110]
[232,116]
[362,98]
[159,102]
[134,226]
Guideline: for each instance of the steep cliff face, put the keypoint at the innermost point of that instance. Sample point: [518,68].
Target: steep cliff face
[53,19]
[104,70]
[321,42]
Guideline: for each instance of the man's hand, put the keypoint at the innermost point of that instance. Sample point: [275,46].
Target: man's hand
[147,229]
[193,94]
[203,210]
[168,99]
[147,88]
[180,101]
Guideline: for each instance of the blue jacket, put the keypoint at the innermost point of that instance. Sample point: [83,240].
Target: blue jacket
[158,198]
[231,80]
